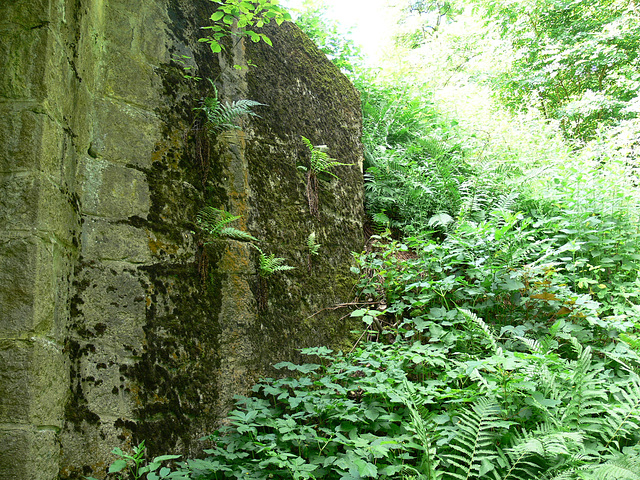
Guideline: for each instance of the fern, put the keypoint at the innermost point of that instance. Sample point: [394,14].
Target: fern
[220,117]
[270,264]
[314,248]
[623,419]
[474,444]
[321,162]
[215,223]
[620,468]
[542,451]
[587,400]
[486,330]
[429,462]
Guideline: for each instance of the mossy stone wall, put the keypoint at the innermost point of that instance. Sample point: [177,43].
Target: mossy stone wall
[118,322]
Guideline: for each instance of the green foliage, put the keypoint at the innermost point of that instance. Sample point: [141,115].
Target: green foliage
[219,116]
[319,164]
[270,264]
[237,19]
[326,33]
[577,61]
[312,245]
[133,466]
[214,222]
[320,161]
[499,308]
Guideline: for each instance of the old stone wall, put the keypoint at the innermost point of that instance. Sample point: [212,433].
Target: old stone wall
[119,320]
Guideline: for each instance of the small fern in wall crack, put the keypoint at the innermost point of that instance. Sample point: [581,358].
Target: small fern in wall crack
[320,162]
[270,264]
[314,248]
[220,117]
[214,222]
[267,266]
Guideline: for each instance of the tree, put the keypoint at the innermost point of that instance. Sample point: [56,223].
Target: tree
[575,60]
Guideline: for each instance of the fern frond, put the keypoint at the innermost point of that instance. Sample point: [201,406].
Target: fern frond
[621,468]
[321,162]
[215,223]
[623,419]
[314,247]
[419,426]
[270,264]
[474,444]
[220,117]
[588,400]
[236,234]
[474,319]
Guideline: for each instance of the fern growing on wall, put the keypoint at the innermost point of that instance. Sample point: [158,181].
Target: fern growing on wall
[320,162]
[214,222]
[270,264]
[219,117]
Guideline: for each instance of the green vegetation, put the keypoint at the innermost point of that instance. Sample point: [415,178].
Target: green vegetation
[499,291]
[214,222]
[319,164]
[270,264]
[236,19]
[219,117]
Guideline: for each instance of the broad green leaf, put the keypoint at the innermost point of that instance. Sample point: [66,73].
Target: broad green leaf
[118,466]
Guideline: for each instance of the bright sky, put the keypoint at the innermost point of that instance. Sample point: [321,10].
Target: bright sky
[370,20]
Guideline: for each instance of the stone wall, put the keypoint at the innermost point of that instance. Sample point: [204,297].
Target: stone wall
[119,320]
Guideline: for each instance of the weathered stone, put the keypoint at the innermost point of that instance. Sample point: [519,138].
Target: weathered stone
[110,305]
[33,382]
[29,453]
[104,240]
[31,200]
[27,287]
[104,167]
[112,191]
[125,134]
[22,59]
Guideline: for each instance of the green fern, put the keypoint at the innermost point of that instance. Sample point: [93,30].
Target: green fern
[270,264]
[622,419]
[427,467]
[321,162]
[486,330]
[474,445]
[220,117]
[624,467]
[314,248]
[214,222]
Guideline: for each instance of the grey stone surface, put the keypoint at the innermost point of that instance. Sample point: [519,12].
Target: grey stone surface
[113,191]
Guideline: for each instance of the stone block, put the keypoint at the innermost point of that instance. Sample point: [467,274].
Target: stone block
[18,272]
[20,137]
[23,56]
[107,391]
[33,382]
[33,287]
[31,201]
[28,453]
[25,13]
[125,134]
[112,191]
[103,240]
[111,304]
[128,77]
